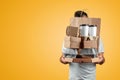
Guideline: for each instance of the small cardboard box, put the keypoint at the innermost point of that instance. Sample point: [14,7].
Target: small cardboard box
[72,42]
[90,44]
[71,31]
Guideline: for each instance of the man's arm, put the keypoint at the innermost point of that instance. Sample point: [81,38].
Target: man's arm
[101,53]
[98,60]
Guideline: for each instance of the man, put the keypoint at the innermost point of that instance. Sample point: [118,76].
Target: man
[83,71]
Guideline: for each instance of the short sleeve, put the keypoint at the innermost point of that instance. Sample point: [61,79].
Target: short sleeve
[101,46]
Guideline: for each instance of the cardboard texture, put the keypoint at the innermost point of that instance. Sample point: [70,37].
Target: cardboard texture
[90,44]
[71,31]
[72,42]
[82,60]
[76,22]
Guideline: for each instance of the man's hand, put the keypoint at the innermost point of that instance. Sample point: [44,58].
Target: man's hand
[63,60]
[99,60]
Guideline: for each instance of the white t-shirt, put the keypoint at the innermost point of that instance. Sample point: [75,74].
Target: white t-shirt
[82,71]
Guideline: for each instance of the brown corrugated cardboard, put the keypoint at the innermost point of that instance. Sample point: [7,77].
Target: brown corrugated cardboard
[71,31]
[90,44]
[82,60]
[76,22]
[72,42]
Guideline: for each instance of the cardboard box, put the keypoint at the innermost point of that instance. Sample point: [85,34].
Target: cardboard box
[82,60]
[76,21]
[72,42]
[90,44]
[71,31]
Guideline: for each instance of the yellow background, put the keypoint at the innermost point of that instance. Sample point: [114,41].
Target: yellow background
[31,35]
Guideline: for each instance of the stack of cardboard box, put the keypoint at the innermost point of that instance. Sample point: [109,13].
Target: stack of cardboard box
[82,33]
